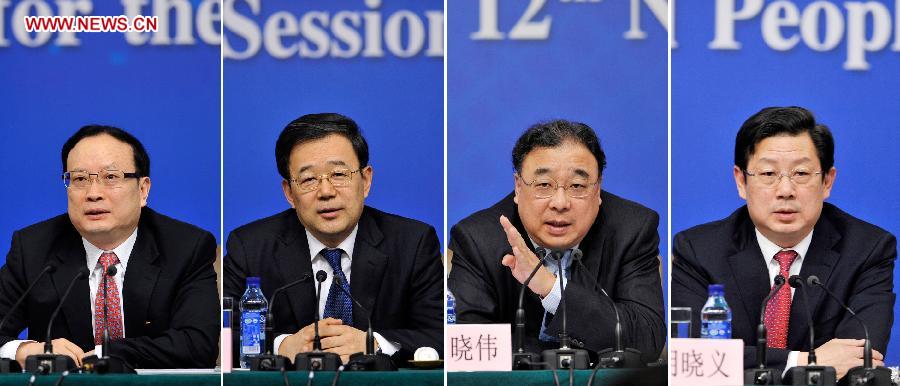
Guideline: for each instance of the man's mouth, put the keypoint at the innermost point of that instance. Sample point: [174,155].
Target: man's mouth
[329,213]
[785,214]
[96,214]
[557,227]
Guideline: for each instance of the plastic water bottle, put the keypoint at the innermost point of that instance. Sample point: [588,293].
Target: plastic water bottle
[715,318]
[253,322]
[451,308]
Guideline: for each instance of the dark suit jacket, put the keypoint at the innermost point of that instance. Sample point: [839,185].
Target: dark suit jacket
[396,273]
[854,259]
[621,249]
[169,292]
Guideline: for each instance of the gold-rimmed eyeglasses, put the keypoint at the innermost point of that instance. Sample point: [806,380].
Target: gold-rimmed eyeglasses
[337,178]
[107,178]
[770,177]
[545,187]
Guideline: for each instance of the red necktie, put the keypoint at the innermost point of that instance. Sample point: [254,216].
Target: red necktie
[116,331]
[778,312]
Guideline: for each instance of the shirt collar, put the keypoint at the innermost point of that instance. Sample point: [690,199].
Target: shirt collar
[316,246]
[123,251]
[769,249]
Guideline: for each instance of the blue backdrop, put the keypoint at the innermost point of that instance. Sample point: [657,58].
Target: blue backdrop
[580,67]
[166,94]
[715,90]
[381,64]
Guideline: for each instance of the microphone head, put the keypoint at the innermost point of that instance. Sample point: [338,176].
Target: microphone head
[795,281]
[51,268]
[111,271]
[576,254]
[779,280]
[337,280]
[541,252]
[83,273]
[813,280]
[321,276]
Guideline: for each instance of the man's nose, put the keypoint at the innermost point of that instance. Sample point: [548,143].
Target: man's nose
[326,189]
[560,199]
[784,187]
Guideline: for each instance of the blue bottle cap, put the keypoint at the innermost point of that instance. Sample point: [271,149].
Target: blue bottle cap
[252,281]
[716,289]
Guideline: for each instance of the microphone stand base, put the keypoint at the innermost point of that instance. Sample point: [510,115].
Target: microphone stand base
[859,375]
[48,363]
[317,361]
[764,376]
[811,375]
[269,362]
[106,365]
[10,366]
[626,359]
[526,361]
[371,362]
[566,358]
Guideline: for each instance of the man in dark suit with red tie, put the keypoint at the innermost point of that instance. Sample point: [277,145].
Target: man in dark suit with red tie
[162,303]
[784,169]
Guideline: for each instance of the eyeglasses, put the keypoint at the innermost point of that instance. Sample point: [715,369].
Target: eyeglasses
[107,178]
[338,177]
[544,187]
[770,177]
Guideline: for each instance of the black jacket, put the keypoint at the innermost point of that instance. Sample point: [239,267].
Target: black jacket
[169,292]
[396,274]
[621,249]
[854,259]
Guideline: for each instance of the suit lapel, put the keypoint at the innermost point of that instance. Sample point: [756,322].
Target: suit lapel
[140,280]
[748,272]
[76,310]
[367,267]
[820,260]
[294,261]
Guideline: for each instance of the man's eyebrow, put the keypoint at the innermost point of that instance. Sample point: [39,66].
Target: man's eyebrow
[541,171]
[581,173]
[338,163]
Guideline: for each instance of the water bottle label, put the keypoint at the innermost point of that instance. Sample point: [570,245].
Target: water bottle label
[252,333]
[716,330]
[451,318]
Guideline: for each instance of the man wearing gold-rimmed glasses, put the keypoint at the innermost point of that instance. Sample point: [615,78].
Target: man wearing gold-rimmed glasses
[784,169]
[159,302]
[390,264]
[558,205]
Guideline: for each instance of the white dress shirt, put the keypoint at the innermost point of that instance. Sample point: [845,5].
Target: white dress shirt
[320,263]
[769,249]
[95,280]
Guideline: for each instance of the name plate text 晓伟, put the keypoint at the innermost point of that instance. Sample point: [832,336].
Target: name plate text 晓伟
[478,347]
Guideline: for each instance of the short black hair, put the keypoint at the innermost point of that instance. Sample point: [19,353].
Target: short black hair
[776,121]
[141,158]
[554,133]
[316,126]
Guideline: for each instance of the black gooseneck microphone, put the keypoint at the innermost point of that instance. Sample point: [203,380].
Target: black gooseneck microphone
[269,361]
[48,362]
[108,363]
[11,365]
[762,375]
[811,374]
[526,360]
[369,360]
[618,356]
[564,357]
[317,360]
[866,374]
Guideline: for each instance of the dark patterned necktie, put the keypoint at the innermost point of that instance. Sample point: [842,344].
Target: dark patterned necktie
[338,305]
[778,312]
[116,331]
